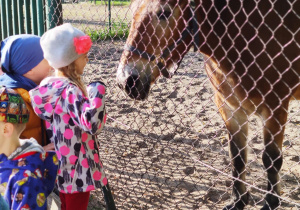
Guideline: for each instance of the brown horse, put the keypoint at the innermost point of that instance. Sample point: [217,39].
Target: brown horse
[252,55]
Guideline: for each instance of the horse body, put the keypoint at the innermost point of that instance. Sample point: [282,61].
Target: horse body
[252,59]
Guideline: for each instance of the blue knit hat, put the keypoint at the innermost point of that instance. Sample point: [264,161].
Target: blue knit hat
[12,107]
[19,54]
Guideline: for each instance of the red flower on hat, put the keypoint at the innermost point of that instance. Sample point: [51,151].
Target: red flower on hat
[82,44]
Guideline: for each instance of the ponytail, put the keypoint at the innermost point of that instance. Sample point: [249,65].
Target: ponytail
[70,72]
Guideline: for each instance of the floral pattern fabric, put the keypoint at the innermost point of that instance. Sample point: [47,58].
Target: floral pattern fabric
[72,121]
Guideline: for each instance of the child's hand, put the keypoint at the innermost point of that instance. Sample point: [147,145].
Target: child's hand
[49,147]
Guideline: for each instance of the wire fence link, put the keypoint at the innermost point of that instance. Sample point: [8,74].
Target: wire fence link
[171,150]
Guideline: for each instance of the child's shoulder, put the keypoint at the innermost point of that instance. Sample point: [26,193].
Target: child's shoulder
[54,80]
[51,87]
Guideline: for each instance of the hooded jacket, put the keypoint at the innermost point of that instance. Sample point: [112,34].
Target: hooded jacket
[28,176]
[72,121]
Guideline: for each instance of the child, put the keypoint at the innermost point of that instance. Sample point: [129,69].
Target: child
[24,67]
[74,113]
[27,172]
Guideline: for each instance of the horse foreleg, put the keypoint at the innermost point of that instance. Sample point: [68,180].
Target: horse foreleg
[236,121]
[272,156]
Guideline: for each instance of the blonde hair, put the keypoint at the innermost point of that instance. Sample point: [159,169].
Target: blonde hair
[70,72]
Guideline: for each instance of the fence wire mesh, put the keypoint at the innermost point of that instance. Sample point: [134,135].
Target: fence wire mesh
[171,151]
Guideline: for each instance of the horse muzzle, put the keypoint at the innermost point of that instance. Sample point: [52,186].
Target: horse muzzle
[136,85]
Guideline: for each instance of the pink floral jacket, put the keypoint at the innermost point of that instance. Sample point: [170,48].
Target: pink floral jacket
[72,121]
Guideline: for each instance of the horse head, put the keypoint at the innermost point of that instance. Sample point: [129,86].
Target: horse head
[159,37]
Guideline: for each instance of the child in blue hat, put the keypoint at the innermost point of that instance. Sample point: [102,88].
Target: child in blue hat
[24,67]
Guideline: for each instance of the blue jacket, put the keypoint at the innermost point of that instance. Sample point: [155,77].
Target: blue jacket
[3,203]
[28,176]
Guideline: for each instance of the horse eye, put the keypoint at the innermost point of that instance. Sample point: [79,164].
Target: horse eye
[163,15]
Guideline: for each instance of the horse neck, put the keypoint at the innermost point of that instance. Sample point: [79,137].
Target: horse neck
[214,16]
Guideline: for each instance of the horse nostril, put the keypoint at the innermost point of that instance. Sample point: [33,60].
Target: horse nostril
[136,85]
[131,84]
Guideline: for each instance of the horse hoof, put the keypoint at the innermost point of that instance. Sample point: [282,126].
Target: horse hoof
[272,203]
[267,207]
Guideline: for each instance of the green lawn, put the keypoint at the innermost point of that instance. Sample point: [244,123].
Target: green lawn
[113,2]
[93,20]
[116,32]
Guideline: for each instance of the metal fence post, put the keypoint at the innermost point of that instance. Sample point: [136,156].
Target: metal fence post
[40,17]
[54,11]
[109,15]
[14,9]
[8,17]
[34,17]
[3,19]
[27,16]
[20,17]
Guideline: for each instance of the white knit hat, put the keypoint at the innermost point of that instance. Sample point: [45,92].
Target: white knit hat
[59,45]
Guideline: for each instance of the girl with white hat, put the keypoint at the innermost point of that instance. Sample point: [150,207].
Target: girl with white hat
[75,114]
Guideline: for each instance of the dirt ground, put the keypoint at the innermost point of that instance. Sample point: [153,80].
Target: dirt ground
[171,151]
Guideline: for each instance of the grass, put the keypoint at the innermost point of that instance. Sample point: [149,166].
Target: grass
[113,2]
[118,31]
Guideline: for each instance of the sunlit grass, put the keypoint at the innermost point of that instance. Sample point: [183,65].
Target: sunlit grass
[116,32]
[113,2]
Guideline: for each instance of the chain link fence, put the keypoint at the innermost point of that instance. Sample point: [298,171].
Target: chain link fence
[170,151]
